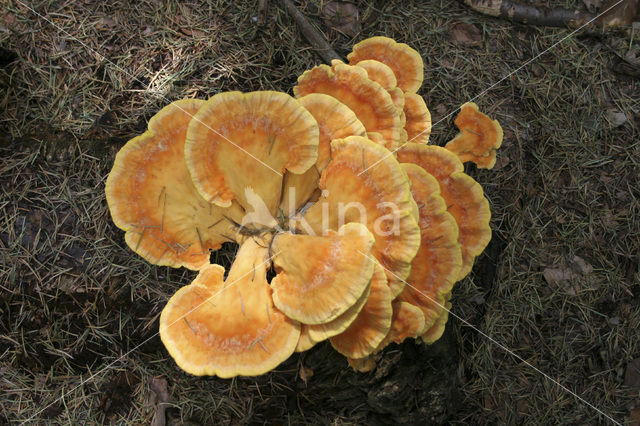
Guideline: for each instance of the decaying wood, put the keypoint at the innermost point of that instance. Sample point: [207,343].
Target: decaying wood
[614,13]
[313,36]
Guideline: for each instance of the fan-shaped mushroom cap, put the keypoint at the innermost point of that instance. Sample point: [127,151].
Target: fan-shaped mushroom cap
[366,98]
[228,328]
[335,120]
[363,183]
[247,140]
[405,62]
[375,137]
[380,73]
[320,277]
[310,334]
[435,268]
[479,137]
[371,325]
[418,122]
[462,194]
[362,365]
[407,321]
[306,342]
[434,332]
[152,198]
[398,98]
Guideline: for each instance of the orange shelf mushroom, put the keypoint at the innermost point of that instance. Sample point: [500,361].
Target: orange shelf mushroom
[229,327]
[310,334]
[405,62]
[479,137]
[320,277]
[152,198]
[463,195]
[371,103]
[233,133]
[407,321]
[308,187]
[418,118]
[371,325]
[437,264]
[364,183]
[335,121]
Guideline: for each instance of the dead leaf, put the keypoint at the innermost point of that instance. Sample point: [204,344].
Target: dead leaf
[158,386]
[581,266]
[466,34]
[342,16]
[572,276]
[305,373]
[557,275]
[106,22]
[616,118]
[193,33]
[622,13]
[501,162]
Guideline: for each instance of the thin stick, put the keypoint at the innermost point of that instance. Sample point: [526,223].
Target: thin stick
[263,346]
[200,239]
[140,239]
[475,133]
[185,320]
[313,36]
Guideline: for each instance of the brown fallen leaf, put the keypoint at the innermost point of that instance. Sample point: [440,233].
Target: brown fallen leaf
[616,118]
[466,34]
[305,373]
[572,276]
[618,13]
[342,16]
[501,162]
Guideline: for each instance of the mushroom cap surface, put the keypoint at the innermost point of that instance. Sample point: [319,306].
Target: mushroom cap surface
[371,325]
[462,194]
[418,118]
[436,267]
[151,196]
[405,61]
[228,327]
[364,183]
[247,140]
[479,137]
[351,85]
[335,120]
[320,277]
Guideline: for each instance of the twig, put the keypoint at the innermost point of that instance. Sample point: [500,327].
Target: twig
[313,36]
[613,13]
[526,14]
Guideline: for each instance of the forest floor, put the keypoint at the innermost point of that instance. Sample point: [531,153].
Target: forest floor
[546,328]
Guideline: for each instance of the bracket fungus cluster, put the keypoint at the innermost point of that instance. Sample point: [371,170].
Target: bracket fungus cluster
[351,228]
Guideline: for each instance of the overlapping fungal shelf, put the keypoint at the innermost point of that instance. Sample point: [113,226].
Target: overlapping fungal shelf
[365,226]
